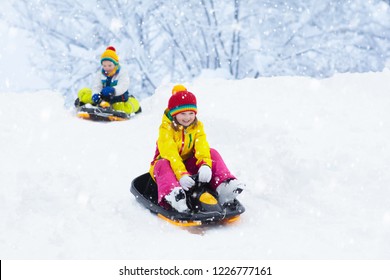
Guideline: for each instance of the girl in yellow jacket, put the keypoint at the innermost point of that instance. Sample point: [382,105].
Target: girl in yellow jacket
[182,150]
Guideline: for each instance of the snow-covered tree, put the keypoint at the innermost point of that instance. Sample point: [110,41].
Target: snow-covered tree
[175,40]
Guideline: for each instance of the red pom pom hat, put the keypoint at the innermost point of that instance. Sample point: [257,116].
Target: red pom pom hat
[182,101]
[110,55]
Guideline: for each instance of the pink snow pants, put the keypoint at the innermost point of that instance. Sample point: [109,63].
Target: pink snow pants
[166,179]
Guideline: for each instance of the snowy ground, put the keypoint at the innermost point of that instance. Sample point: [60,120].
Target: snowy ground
[315,156]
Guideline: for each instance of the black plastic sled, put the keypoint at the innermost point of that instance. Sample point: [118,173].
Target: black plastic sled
[102,112]
[201,200]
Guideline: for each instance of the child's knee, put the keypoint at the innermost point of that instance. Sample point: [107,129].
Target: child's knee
[85,95]
[162,164]
[129,107]
[134,104]
[214,154]
[119,106]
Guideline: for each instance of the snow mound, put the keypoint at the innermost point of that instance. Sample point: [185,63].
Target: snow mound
[314,155]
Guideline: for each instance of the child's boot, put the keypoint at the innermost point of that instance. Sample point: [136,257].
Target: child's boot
[177,199]
[229,190]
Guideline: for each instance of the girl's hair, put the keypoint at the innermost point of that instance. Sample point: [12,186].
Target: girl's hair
[175,124]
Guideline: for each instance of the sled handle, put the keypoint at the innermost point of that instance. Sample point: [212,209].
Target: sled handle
[195,177]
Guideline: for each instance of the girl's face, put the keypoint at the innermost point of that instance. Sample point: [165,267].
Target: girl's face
[185,118]
[108,66]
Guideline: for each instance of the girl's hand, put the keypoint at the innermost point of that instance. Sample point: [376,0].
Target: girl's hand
[205,174]
[186,182]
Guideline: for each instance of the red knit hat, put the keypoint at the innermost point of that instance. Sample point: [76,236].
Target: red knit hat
[182,101]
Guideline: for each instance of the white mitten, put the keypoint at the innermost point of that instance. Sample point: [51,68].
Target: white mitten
[186,182]
[205,174]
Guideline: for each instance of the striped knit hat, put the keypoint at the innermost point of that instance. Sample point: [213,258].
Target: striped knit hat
[110,55]
[181,101]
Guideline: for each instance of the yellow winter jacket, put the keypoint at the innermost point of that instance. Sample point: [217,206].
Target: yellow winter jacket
[178,146]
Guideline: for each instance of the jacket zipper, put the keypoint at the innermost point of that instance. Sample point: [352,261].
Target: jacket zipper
[182,142]
[189,144]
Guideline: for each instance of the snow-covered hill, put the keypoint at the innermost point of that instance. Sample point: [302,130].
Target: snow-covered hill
[314,155]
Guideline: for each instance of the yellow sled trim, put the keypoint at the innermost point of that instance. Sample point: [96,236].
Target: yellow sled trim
[83,115]
[196,223]
[104,104]
[115,118]
[231,219]
[180,223]
[208,199]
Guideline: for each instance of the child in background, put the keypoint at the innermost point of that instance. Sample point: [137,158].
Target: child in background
[182,150]
[111,85]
